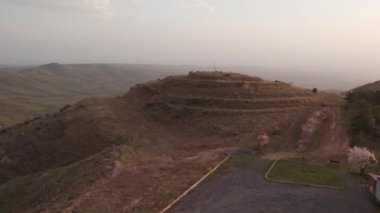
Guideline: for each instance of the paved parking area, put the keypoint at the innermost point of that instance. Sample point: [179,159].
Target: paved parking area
[245,190]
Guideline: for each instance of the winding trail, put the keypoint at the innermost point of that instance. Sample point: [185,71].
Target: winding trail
[334,141]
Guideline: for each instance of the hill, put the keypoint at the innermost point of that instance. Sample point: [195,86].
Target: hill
[139,151]
[31,92]
[375,86]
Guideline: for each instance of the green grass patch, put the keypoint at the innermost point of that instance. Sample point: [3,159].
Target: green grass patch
[300,172]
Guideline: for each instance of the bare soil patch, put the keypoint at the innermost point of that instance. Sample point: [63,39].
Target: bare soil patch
[332,142]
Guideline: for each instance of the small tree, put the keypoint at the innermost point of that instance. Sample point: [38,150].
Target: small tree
[263,140]
[361,158]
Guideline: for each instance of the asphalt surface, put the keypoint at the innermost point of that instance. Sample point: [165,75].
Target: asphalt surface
[245,190]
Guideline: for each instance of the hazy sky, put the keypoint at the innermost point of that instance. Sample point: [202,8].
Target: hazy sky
[324,35]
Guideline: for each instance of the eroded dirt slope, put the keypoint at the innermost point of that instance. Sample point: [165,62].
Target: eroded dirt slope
[323,138]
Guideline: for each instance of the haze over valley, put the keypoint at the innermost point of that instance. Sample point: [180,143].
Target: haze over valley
[189,106]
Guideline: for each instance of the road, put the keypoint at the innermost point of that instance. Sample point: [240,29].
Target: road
[245,190]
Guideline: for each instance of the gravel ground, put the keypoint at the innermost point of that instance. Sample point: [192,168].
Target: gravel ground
[245,190]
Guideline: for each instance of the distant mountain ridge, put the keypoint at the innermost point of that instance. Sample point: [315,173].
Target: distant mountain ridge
[29,92]
[35,91]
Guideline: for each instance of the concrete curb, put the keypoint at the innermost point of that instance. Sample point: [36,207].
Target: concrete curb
[270,169]
[300,184]
[168,207]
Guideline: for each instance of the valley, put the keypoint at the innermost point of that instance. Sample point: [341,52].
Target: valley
[189,106]
[26,93]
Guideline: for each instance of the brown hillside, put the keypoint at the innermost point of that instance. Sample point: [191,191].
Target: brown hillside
[140,151]
[375,86]
[31,92]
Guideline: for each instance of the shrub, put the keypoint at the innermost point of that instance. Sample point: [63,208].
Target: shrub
[361,158]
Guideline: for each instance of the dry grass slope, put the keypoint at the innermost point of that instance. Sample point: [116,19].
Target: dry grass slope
[35,91]
[140,151]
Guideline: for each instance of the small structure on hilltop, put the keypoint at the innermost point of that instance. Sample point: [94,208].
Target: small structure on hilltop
[374,186]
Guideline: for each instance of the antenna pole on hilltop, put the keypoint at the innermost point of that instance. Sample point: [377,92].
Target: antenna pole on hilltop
[214,66]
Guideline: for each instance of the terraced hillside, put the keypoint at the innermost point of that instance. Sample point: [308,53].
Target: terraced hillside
[227,103]
[228,91]
[138,152]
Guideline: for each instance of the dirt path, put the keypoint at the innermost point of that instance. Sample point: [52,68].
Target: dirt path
[246,190]
[333,142]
